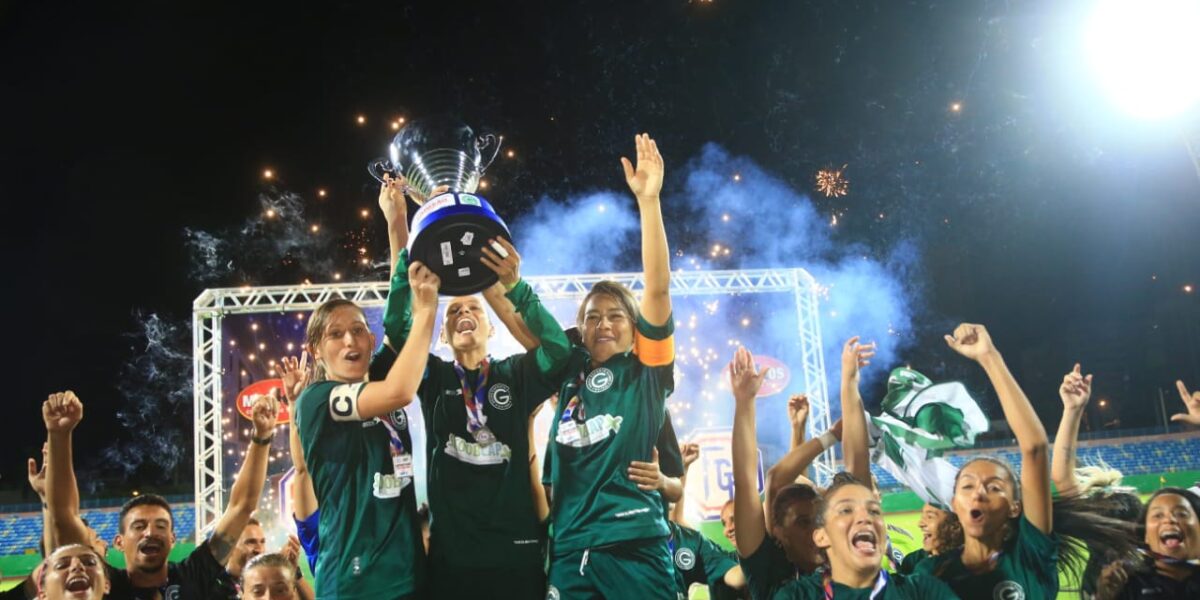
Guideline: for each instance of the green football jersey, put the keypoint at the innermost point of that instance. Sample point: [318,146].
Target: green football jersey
[697,558]
[480,505]
[767,569]
[606,418]
[889,586]
[909,564]
[1026,568]
[370,541]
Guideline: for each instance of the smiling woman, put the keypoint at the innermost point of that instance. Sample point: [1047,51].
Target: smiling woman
[74,571]
[610,535]
[851,534]
[358,450]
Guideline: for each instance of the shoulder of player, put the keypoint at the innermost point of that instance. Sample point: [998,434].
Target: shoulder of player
[919,585]
[807,586]
[316,392]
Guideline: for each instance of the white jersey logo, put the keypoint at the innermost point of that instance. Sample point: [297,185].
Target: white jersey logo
[599,380]
[685,559]
[473,453]
[389,486]
[1008,590]
[595,430]
[500,397]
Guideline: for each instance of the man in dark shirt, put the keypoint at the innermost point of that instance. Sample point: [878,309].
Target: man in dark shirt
[146,530]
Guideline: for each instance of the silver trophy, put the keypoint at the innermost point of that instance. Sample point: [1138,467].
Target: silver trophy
[449,229]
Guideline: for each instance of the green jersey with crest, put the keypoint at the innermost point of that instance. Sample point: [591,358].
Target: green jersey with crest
[697,558]
[1026,568]
[888,586]
[480,504]
[370,541]
[606,418]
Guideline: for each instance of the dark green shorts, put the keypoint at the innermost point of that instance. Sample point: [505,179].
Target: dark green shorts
[634,570]
[505,583]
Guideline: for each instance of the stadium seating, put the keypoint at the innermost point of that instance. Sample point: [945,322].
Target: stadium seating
[21,533]
[1138,456]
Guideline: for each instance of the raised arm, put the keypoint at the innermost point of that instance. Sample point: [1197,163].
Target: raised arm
[507,313]
[247,487]
[974,342]
[397,390]
[37,481]
[690,453]
[798,417]
[1074,392]
[747,510]
[295,376]
[796,462]
[1191,400]
[395,212]
[855,356]
[61,413]
[522,311]
[645,181]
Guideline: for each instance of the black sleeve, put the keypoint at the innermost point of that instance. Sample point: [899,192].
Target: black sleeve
[16,593]
[670,461]
[201,572]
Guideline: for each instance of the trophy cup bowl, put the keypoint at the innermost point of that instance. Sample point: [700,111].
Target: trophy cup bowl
[450,229]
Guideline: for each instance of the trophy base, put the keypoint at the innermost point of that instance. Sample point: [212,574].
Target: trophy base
[448,234]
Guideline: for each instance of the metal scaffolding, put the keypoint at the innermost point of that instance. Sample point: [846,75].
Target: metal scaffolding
[213,305]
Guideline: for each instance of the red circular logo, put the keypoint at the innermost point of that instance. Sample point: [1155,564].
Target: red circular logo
[247,397]
[778,375]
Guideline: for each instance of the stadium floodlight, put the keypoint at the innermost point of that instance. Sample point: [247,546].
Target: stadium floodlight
[1145,52]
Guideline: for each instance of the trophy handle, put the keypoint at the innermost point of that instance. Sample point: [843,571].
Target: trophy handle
[482,143]
[380,167]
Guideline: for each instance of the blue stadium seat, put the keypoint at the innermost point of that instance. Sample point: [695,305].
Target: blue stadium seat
[1130,458]
[21,533]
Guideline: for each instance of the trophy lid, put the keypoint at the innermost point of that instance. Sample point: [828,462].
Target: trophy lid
[440,150]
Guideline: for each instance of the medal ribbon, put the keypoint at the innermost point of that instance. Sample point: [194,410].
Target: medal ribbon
[394,440]
[574,408]
[1169,559]
[880,583]
[473,399]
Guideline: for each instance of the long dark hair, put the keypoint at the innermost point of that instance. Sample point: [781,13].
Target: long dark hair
[1126,507]
[1081,524]
[949,533]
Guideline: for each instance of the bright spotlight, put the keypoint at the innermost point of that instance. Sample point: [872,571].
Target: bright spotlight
[1144,53]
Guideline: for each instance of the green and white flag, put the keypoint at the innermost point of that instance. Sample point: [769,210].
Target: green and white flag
[920,421]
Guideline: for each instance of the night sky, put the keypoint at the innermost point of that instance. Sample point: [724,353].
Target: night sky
[970,131]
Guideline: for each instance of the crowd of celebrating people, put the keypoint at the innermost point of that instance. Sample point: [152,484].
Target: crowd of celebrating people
[601,516]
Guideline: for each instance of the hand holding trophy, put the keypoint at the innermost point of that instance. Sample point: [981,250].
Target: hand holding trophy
[451,228]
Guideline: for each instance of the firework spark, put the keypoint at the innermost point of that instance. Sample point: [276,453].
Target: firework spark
[832,182]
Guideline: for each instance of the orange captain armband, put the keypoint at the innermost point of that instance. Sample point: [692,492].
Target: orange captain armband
[654,353]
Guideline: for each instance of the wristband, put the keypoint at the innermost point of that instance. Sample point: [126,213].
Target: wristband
[827,440]
[509,288]
[262,441]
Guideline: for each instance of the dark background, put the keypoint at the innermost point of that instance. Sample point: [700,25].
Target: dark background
[1068,229]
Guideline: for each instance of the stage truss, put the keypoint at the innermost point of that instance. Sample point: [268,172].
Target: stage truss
[213,305]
